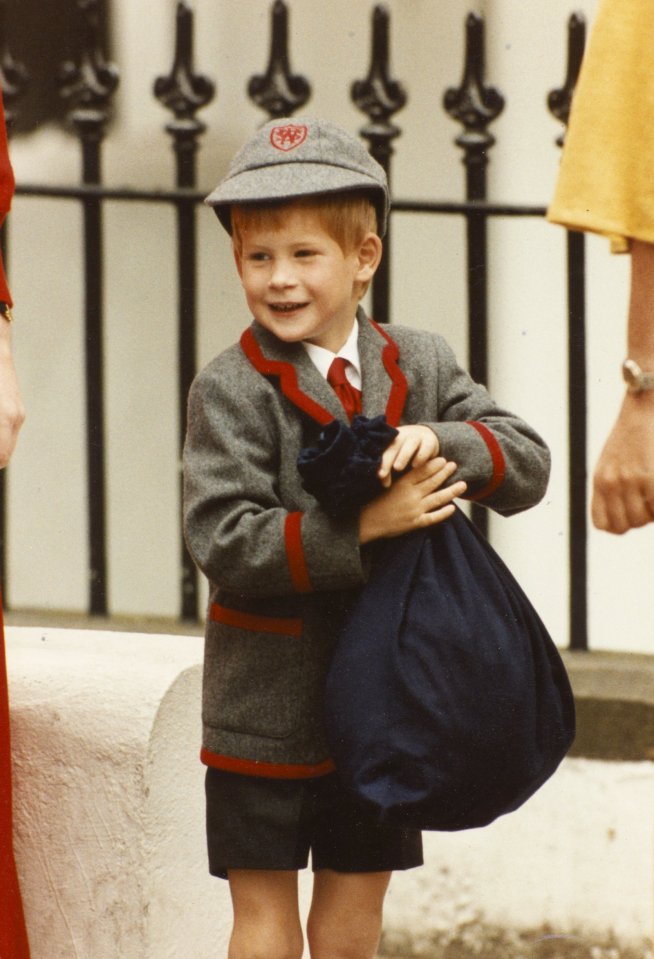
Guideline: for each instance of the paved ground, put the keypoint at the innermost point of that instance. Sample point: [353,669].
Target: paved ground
[537,945]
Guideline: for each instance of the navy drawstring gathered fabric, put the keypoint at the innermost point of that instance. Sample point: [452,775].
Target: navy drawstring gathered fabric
[447,703]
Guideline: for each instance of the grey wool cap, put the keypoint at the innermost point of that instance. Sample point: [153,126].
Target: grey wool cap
[291,158]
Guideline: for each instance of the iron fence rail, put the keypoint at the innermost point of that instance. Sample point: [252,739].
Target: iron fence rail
[89,86]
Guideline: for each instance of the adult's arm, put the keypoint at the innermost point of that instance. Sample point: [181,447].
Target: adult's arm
[623,488]
[12,412]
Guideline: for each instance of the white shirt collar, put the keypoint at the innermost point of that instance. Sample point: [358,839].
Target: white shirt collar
[322,358]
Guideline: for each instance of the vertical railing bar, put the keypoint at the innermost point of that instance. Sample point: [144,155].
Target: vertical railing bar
[578,431]
[559,103]
[477,283]
[185,92]
[380,97]
[476,251]
[94,370]
[89,85]
[475,106]
[186,340]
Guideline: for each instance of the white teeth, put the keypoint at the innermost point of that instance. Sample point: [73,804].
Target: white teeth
[285,307]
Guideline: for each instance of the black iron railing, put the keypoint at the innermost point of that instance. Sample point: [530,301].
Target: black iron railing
[89,86]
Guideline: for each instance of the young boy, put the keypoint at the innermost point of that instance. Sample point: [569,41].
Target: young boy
[306,205]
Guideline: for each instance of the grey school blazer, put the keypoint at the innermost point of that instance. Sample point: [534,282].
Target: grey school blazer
[281,572]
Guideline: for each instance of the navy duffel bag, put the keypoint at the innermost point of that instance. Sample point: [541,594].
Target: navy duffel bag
[447,702]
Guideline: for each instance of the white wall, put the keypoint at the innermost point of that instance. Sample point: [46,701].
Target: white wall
[525,59]
[109,817]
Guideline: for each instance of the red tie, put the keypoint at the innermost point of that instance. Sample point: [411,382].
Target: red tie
[349,395]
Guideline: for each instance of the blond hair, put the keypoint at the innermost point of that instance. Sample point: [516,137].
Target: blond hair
[346,217]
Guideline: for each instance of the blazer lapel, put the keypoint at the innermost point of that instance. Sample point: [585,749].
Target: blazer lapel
[297,377]
[383,382]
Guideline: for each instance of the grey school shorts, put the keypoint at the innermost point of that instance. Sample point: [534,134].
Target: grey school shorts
[259,823]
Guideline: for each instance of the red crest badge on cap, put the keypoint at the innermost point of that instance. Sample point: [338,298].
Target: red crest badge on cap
[288,137]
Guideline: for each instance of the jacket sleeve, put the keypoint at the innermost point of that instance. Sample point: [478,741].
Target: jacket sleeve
[242,531]
[504,461]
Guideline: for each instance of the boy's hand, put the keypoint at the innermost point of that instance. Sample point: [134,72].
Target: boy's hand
[415,500]
[413,446]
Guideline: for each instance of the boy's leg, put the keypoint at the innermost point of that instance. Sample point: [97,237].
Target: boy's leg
[346,914]
[266,915]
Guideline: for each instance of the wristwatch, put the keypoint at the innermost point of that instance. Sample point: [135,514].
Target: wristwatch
[5,312]
[635,378]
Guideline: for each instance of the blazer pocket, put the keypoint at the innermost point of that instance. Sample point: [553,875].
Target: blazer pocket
[253,673]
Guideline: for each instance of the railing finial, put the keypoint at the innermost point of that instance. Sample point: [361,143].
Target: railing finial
[14,78]
[90,84]
[559,101]
[278,91]
[473,104]
[378,96]
[183,91]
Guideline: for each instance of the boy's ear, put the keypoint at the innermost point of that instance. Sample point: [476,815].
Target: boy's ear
[369,255]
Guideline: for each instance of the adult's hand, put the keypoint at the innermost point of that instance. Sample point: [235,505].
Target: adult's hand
[623,493]
[12,411]
[623,484]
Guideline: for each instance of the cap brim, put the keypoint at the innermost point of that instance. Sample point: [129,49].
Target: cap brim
[286,181]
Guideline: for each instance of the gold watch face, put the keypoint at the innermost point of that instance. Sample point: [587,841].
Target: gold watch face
[631,375]
[635,378]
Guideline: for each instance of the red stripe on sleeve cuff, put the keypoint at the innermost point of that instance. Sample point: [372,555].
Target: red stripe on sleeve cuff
[251,767]
[295,554]
[255,623]
[497,456]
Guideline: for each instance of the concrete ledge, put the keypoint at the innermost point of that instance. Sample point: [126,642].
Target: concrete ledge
[110,815]
[109,796]
[614,695]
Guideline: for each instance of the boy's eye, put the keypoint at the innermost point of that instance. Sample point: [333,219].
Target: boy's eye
[258,256]
[305,252]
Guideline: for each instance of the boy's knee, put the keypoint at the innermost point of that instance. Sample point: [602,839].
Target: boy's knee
[266,946]
[266,951]
[327,941]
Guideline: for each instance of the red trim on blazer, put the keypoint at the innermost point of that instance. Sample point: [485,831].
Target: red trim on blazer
[289,386]
[497,456]
[251,767]
[287,379]
[397,397]
[297,563]
[258,624]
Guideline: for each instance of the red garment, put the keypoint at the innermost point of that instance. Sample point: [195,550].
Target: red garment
[7,185]
[13,935]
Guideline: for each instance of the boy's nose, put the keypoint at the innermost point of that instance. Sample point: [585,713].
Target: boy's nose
[282,274]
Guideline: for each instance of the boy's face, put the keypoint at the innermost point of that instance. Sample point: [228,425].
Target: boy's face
[298,282]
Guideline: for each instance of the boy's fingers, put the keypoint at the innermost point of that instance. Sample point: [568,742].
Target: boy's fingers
[438,515]
[442,506]
[434,473]
[427,449]
[398,458]
[387,461]
[445,495]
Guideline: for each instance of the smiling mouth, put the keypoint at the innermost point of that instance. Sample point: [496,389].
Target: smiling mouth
[286,307]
